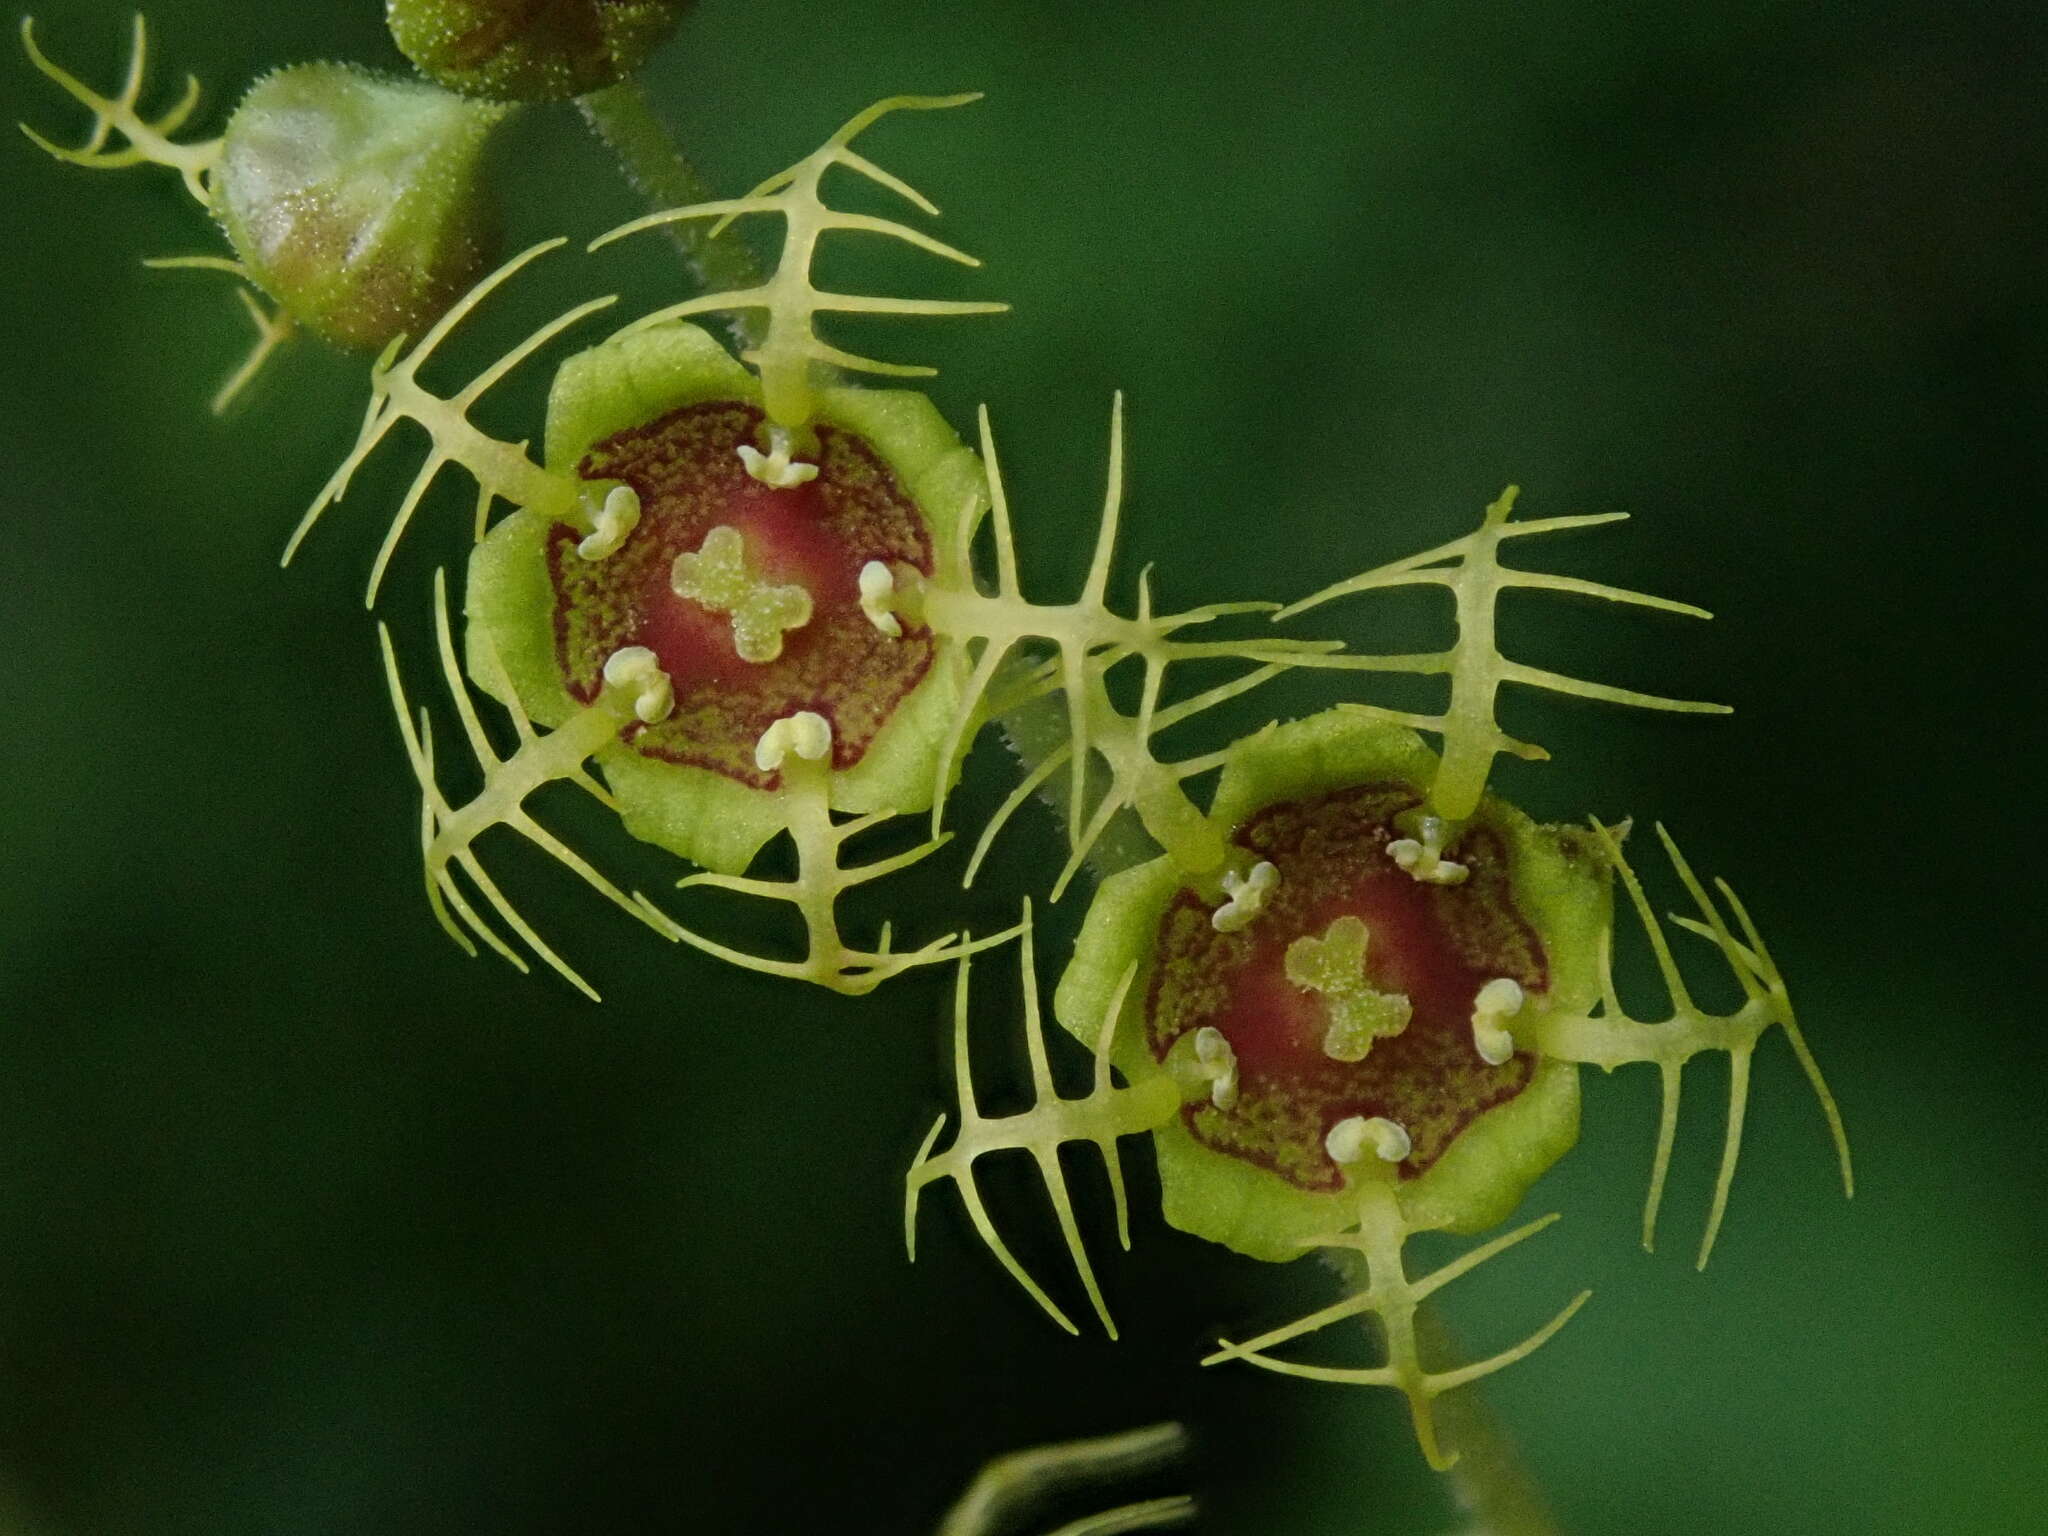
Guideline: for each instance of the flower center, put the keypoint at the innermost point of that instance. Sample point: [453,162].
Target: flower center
[1351,994]
[746,548]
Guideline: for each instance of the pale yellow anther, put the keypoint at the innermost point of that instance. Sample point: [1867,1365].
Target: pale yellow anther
[636,668]
[878,597]
[716,577]
[1247,896]
[1219,1064]
[1499,999]
[1349,1140]
[775,467]
[1334,966]
[1423,857]
[806,733]
[619,516]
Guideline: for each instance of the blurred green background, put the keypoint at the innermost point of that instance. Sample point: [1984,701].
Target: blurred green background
[309,1224]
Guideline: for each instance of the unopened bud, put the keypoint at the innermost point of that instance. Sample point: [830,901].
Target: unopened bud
[530,50]
[354,200]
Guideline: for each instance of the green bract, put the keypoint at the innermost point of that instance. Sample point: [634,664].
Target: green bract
[530,50]
[355,200]
[643,378]
[1554,882]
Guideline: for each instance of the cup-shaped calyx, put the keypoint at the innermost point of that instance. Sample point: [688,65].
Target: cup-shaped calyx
[1363,1051]
[356,201]
[530,50]
[758,597]
[1328,1033]
[1318,1021]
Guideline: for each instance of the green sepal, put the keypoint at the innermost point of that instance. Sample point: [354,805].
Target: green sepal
[634,378]
[1560,883]
[942,474]
[355,200]
[629,379]
[530,50]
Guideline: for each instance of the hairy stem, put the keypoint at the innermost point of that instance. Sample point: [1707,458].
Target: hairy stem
[1494,1485]
[655,166]
[1036,731]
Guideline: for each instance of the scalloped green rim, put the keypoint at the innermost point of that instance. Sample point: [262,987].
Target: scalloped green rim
[629,380]
[1561,884]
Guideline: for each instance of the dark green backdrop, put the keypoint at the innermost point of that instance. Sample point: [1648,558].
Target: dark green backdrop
[307,1224]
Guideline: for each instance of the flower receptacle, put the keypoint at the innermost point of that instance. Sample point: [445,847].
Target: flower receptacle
[666,410]
[1318,799]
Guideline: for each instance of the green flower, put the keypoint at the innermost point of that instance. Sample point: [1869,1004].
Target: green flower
[1341,1021]
[670,416]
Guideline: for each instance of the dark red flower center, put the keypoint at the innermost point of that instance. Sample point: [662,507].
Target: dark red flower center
[1435,944]
[686,469]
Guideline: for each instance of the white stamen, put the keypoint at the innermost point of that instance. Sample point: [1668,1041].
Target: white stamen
[877,595]
[634,667]
[1348,1140]
[1499,999]
[1247,895]
[775,468]
[806,733]
[1423,857]
[1219,1061]
[619,516]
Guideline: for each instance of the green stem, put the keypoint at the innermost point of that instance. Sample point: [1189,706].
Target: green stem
[1494,1484]
[1035,732]
[625,121]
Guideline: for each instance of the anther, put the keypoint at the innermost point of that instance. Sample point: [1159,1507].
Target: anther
[619,516]
[1349,1140]
[1247,896]
[1219,1065]
[775,467]
[716,577]
[878,596]
[806,733]
[1499,999]
[1423,857]
[635,667]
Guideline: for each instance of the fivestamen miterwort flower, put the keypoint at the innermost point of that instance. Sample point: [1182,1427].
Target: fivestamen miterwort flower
[739,601]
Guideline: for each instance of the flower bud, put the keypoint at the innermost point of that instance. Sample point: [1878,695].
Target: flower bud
[356,200]
[530,50]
